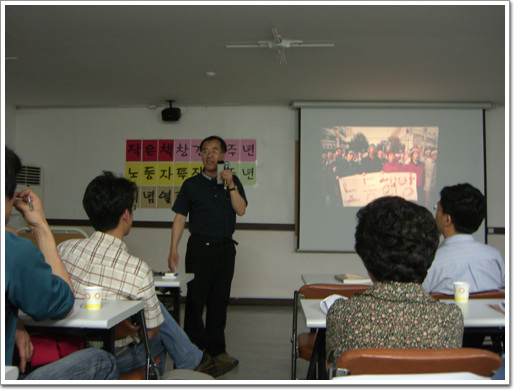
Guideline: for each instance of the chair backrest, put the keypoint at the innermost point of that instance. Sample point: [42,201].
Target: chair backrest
[499,294]
[321,290]
[417,361]
[60,234]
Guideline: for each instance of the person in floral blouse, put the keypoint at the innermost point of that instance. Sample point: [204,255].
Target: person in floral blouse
[397,241]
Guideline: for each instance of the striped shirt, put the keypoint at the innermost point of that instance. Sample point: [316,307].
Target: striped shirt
[103,260]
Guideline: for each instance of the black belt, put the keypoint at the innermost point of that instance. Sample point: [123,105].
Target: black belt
[207,240]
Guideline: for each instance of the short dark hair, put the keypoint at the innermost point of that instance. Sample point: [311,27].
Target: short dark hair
[106,199]
[465,205]
[12,168]
[215,138]
[396,239]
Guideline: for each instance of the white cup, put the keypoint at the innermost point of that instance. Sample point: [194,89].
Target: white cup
[461,291]
[93,297]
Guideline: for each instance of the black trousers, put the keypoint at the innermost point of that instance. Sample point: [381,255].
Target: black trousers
[212,262]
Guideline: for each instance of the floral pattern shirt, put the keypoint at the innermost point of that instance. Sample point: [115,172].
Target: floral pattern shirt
[392,315]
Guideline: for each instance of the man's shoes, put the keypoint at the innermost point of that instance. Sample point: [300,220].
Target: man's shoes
[207,365]
[224,363]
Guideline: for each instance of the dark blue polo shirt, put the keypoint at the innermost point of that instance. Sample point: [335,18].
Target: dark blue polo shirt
[208,205]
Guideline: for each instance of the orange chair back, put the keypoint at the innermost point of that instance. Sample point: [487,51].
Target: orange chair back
[495,294]
[380,361]
[321,290]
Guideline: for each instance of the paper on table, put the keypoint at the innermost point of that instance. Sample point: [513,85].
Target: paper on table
[500,307]
[328,301]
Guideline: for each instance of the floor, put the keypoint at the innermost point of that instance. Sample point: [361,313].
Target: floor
[259,337]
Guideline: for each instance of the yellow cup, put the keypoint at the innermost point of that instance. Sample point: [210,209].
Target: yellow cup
[461,291]
[93,297]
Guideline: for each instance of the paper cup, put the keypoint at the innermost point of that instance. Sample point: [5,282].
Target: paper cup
[461,291]
[93,297]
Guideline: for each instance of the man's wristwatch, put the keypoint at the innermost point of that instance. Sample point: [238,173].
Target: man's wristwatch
[232,189]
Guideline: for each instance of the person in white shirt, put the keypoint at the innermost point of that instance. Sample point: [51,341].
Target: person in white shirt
[460,212]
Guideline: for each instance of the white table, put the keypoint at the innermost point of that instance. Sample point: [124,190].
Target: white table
[177,282]
[173,285]
[11,372]
[478,316]
[322,279]
[476,312]
[105,319]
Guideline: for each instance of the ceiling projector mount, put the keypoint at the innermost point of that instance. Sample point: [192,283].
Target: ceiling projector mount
[279,44]
[171,114]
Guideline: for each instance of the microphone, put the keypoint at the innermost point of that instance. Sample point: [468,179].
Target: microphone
[225,166]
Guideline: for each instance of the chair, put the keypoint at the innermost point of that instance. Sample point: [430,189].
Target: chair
[379,361]
[495,294]
[60,234]
[303,344]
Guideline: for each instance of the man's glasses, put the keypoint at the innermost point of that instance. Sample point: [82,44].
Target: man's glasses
[205,152]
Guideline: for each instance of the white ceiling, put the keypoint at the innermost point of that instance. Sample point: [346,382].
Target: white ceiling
[134,55]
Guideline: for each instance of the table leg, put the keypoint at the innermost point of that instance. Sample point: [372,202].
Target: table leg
[151,368]
[175,299]
[108,340]
[175,292]
[318,358]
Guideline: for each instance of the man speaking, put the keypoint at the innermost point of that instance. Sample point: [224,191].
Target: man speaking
[211,251]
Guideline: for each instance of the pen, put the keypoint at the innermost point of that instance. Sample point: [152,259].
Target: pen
[31,206]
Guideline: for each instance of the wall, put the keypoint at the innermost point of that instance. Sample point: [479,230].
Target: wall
[74,145]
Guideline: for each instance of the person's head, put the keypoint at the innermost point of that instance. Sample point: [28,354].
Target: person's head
[390,157]
[213,138]
[434,155]
[396,239]
[415,154]
[349,156]
[371,150]
[427,153]
[12,168]
[464,205]
[380,154]
[213,149]
[106,200]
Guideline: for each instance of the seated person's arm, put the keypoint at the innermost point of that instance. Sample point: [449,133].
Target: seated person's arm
[152,332]
[126,328]
[36,221]
[24,345]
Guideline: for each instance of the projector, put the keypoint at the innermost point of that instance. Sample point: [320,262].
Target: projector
[171,114]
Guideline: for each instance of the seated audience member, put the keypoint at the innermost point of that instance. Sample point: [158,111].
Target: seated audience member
[37,283]
[103,260]
[396,241]
[460,212]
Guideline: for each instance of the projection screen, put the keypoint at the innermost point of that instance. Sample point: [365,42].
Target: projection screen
[348,157]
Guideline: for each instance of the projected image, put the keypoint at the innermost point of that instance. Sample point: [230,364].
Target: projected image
[361,164]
